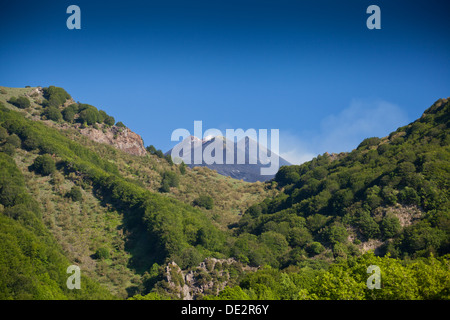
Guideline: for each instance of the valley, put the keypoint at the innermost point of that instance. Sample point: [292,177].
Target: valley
[77,187]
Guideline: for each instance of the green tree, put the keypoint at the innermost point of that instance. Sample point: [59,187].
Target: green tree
[390,226]
[409,196]
[44,165]
[204,201]
[109,120]
[228,293]
[182,167]
[75,193]
[169,180]
[151,149]
[299,236]
[315,248]
[169,159]
[3,134]
[20,102]
[367,225]
[88,116]
[102,253]
[55,96]
[68,114]
[335,233]
[13,140]
[102,115]
[53,113]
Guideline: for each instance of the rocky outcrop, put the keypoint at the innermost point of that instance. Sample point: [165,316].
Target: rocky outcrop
[209,277]
[121,138]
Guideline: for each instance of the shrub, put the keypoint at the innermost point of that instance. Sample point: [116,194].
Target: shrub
[102,253]
[3,134]
[299,236]
[151,149]
[314,248]
[204,201]
[13,140]
[409,196]
[169,159]
[109,120]
[53,113]
[56,96]
[170,179]
[75,193]
[367,225]
[68,114]
[89,116]
[369,142]
[102,116]
[390,226]
[336,233]
[9,149]
[182,167]
[44,165]
[21,102]
[159,154]
[120,124]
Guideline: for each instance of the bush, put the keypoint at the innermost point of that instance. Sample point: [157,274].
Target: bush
[89,116]
[109,120]
[13,140]
[390,226]
[56,96]
[151,149]
[182,167]
[102,116]
[102,253]
[9,149]
[369,142]
[336,233]
[204,201]
[409,196]
[169,159]
[21,102]
[75,193]
[68,114]
[53,113]
[120,124]
[367,225]
[169,179]
[3,134]
[314,248]
[44,165]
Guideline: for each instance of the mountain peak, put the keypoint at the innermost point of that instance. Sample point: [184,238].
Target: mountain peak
[246,163]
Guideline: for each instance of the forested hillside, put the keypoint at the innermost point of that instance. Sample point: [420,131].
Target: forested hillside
[390,195]
[120,217]
[140,226]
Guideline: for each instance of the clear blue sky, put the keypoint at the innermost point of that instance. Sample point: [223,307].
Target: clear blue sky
[310,68]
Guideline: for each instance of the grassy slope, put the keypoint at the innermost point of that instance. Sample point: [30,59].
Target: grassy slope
[81,228]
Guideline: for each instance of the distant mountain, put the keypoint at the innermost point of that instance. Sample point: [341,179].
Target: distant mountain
[244,164]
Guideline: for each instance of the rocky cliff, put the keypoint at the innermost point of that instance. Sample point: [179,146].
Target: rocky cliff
[209,277]
[121,138]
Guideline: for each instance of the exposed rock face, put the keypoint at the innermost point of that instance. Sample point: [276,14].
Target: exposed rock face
[122,138]
[248,168]
[210,277]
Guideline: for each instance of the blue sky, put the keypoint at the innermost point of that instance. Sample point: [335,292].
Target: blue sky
[311,69]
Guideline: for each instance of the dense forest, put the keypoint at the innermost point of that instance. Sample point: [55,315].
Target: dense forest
[310,233]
